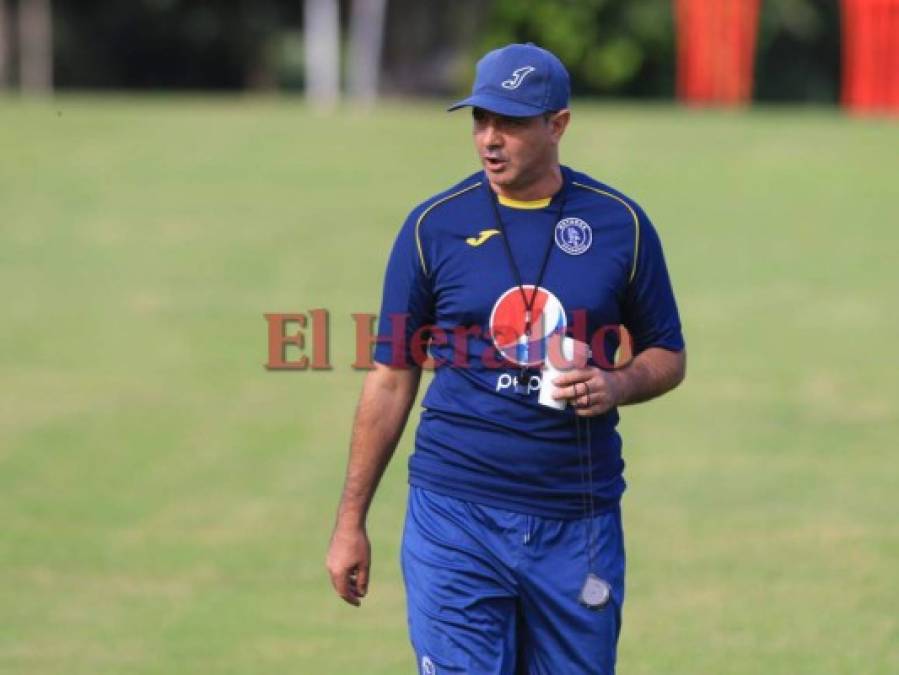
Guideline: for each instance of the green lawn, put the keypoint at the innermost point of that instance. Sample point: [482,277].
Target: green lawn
[165,502]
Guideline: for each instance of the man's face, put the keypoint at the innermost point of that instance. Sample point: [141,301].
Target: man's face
[517,151]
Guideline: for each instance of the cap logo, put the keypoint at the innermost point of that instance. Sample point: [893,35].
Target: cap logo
[518,76]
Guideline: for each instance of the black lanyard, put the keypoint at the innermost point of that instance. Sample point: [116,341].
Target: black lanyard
[528,302]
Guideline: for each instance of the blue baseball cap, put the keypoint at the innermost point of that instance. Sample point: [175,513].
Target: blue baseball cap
[519,81]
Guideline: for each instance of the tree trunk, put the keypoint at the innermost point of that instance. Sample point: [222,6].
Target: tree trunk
[366,41]
[35,46]
[321,31]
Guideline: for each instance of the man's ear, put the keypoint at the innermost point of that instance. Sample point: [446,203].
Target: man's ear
[559,123]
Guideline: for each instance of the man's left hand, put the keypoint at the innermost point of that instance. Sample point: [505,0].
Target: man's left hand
[590,391]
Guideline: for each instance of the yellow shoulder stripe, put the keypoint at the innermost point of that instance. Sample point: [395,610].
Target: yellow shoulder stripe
[521,204]
[633,215]
[421,255]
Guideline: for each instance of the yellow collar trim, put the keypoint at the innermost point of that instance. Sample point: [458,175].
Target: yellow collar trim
[519,204]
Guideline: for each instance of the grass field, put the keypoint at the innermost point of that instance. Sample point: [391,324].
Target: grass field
[165,502]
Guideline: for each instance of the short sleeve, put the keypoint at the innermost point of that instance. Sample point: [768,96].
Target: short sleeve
[650,311]
[407,303]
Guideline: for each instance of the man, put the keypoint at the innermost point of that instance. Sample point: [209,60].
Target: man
[513,555]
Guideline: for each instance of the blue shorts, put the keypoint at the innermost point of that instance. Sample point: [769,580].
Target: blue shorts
[491,591]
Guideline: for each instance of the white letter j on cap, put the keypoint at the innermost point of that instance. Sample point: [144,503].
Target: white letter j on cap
[517,78]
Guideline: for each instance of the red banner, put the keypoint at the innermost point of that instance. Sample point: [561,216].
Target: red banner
[871,55]
[716,50]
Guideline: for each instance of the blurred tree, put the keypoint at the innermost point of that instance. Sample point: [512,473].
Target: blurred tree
[798,55]
[609,46]
[321,34]
[35,46]
[612,47]
[5,47]
[429,45]
[165,44]
[626,47]
[366,43]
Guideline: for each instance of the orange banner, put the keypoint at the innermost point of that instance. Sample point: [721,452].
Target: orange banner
[716,50]
[871,56]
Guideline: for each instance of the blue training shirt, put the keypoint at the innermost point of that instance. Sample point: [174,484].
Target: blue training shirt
[450,286]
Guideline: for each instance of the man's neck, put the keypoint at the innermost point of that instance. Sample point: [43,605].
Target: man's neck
[545,186]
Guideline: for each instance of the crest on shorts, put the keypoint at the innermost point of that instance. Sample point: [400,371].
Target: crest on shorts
[427,666]
[573,236]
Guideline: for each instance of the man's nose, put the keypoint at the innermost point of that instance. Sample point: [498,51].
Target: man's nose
[492,136]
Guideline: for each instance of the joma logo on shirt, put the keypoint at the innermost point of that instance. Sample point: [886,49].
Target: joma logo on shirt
[483,236]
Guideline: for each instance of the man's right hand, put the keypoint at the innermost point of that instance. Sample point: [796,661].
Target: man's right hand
[348,562]
[384,404]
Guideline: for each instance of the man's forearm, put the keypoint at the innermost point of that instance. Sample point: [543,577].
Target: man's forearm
[384,404]
[651,373]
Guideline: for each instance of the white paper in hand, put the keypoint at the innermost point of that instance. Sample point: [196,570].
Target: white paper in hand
[563,353]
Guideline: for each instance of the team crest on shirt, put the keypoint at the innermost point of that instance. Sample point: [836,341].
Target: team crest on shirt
[427,666]
[573,236]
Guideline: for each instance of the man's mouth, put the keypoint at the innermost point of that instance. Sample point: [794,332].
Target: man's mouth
[495,163]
